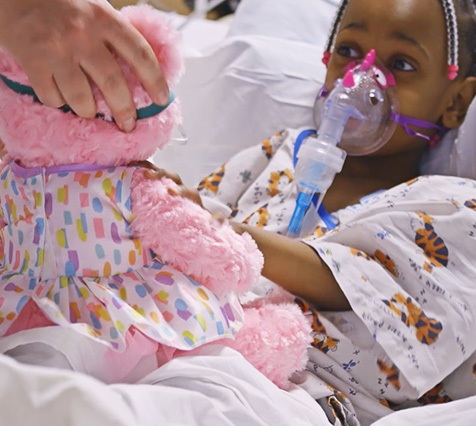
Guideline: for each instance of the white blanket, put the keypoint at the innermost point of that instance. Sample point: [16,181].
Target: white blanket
[216,388]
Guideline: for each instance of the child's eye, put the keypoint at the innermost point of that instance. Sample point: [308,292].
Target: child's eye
[402,65]
[347,52]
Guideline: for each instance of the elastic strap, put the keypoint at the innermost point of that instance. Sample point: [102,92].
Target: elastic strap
[405,121]
[142,113]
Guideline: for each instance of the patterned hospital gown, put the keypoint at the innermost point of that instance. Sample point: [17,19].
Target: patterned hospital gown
[69,248]
[405,258]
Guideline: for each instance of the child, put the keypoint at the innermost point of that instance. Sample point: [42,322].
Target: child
[396,269]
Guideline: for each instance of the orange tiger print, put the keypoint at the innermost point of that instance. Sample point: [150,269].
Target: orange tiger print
[234,212]
[427,329]
[471,204]
[412,181]
[260,216]
[336,392]
[320,231]
[275,179]
[425,217]
[267,148]
[392,373]
[360,253]
[322,340]
[432,245]
[436,395]
[267,144]
[212,181]
[387,262]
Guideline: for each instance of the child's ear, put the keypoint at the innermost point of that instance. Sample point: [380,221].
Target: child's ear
[462,97]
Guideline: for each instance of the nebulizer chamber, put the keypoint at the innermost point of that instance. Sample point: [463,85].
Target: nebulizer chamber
[353,119]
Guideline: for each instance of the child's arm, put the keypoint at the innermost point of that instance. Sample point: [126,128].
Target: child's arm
[296,267]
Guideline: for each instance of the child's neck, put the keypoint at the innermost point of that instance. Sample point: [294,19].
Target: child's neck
[364,175]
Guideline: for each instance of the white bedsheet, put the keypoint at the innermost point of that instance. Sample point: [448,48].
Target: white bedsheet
[456,413]
[217,387]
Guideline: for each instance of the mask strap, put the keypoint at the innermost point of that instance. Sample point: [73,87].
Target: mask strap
[142,113]
[405,121]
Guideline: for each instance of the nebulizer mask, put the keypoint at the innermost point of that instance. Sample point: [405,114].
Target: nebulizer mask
[355,118]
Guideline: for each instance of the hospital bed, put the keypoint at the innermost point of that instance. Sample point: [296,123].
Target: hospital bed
[246,78]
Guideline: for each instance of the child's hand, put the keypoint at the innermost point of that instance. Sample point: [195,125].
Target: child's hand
[155,173]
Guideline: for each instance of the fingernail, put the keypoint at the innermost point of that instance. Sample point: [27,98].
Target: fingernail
[162,97]
[128,125]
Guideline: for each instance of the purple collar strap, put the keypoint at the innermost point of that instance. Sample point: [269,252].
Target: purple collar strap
[27,172]
[405,121]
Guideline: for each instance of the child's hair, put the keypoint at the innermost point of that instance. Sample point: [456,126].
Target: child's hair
[460,17]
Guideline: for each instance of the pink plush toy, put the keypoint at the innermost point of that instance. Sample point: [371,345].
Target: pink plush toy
[92,245]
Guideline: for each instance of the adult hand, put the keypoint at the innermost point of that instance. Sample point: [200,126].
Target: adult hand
[62,45]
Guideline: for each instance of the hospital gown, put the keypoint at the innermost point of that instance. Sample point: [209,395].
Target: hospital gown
[404,258]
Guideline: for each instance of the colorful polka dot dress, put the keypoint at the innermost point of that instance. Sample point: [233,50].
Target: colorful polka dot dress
[68,247]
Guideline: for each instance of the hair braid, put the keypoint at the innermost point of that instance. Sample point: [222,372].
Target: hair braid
[466,10]
[334,28]
[453,33]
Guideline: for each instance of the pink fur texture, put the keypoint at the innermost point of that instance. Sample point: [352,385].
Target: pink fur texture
[183,234]
[275,336]
[41,136]
[282,334]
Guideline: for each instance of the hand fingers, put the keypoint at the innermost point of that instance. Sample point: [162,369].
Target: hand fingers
[103,69]
[144,164]
[45,88]
[76,91]
[128,43]
[185,192]
[154,172]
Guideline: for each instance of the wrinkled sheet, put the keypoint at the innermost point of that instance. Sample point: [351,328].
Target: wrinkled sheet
[456,413]
[217,387]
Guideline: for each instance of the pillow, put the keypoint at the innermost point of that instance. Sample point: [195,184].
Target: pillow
[263,76]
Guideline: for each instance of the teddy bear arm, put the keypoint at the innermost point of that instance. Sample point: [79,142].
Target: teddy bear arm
[183,234]
[157,215]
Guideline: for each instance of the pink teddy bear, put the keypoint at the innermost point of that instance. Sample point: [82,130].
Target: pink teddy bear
[91,244]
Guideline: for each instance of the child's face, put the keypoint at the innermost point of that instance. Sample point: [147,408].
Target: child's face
[409,37]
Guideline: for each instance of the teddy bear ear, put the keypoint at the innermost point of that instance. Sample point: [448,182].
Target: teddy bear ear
[166,42]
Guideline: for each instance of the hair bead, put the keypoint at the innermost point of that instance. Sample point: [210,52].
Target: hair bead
[453,71]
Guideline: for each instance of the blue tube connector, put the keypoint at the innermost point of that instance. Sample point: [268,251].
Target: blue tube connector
[303,203]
